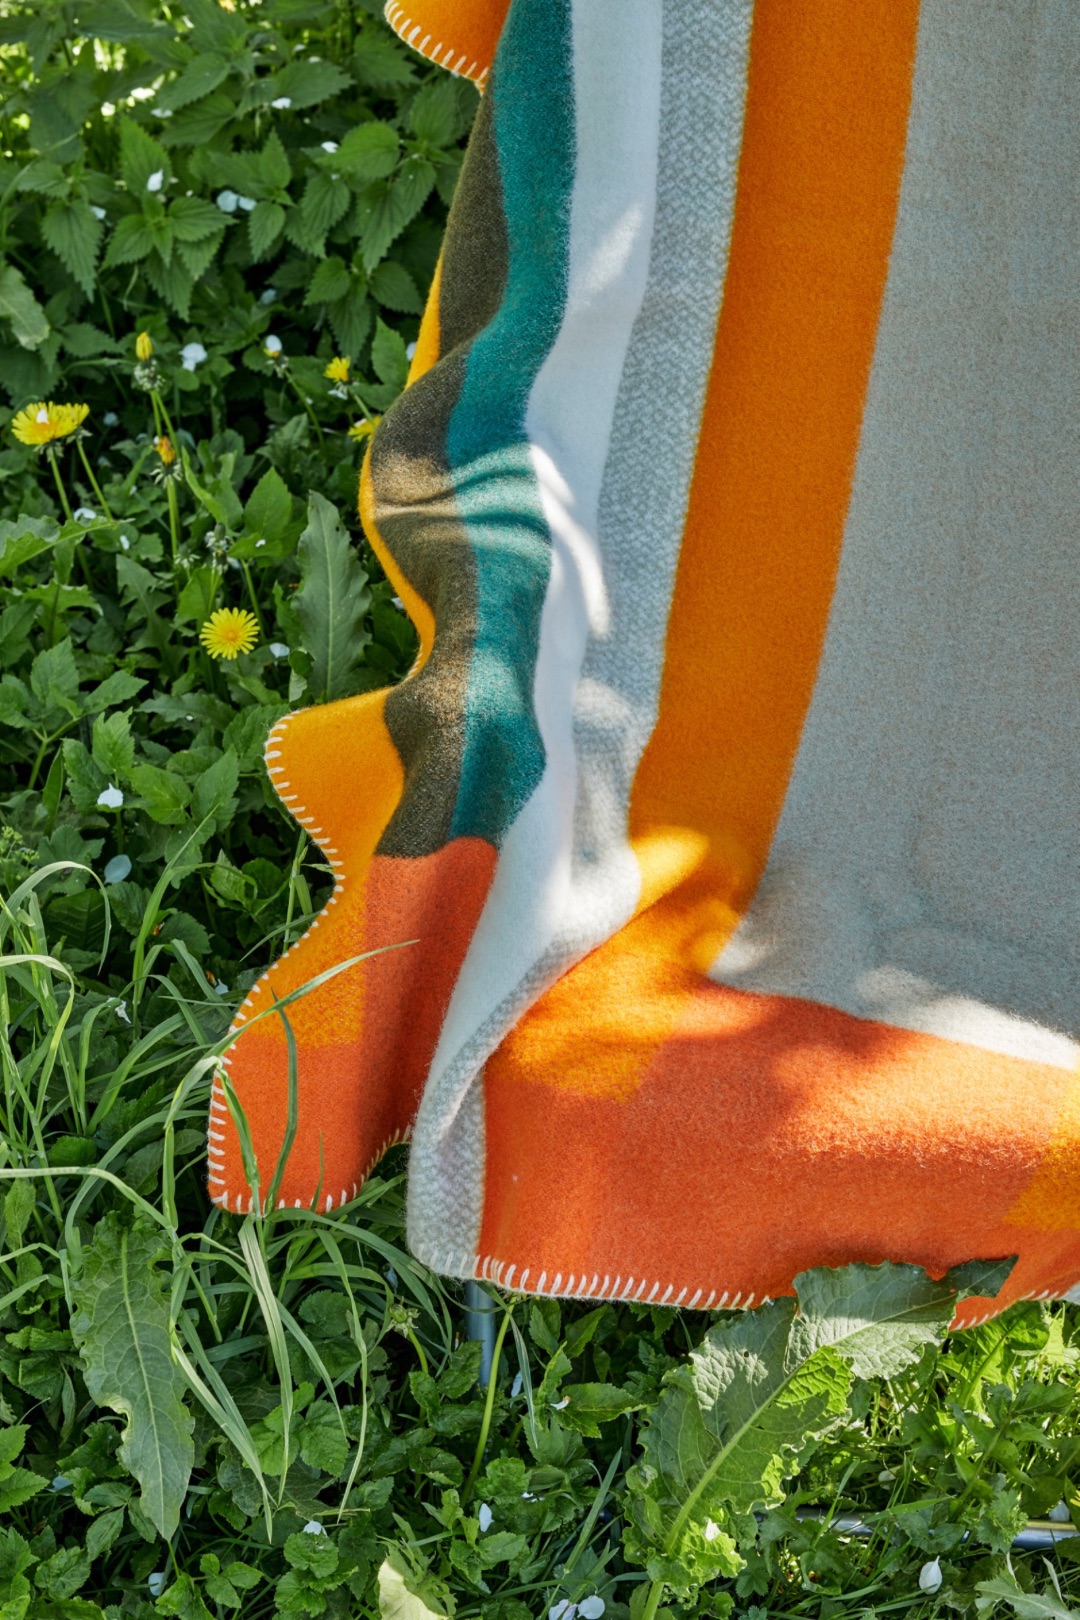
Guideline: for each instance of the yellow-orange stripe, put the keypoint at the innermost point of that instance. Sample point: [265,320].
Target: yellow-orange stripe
[819,177]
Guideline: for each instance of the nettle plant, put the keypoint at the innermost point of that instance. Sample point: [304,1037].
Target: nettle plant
[209,173]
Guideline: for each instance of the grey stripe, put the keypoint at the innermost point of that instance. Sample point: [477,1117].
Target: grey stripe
[641,514]
[926,869]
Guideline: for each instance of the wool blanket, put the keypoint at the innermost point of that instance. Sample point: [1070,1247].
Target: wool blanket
[732,808]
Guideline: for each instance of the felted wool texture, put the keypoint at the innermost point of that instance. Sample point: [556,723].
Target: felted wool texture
[732,800]
[457,34]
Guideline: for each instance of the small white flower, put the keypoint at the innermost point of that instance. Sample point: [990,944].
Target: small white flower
[268,296]
[125,542]
[164,112]
[279,649]
[562,1611]
[111,797]
[227,201]
[712,1530]
[122,1012]
[314,1528]
[98,213]
[117,869]
[528,1496]
[272,345]
[246,203]
[221,988]
[156,1582]
[329,146]
[516,1386]
[192,355]
[259,543]
[85,514]
[930,1577]
[60,1483]
[557,1406]
[410,350]
[156,180]
[282,102]
[484,1517]
[886,1477]
[110,419]
[591,1608]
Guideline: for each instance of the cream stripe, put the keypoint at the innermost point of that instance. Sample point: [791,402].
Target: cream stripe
[926,869]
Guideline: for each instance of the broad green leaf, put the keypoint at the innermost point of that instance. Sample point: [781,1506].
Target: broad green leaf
[386,208]
[265,224]
[131,241]
[113,746]
[589,1405]
[184,1600]
[332,602]
[307,83]
[196,601]
[368,152]
[201,75]
[198,124]
[213,795]
[164,795]
[880,1318]
[325,201]
[350,319]
[332,279]
[29,325]
[54,678]
[115,688]
[103,1532]
[193,219]
[395,289]
[140,158]
[74,233]
[19,1485]
[1025,1605]
[61,1576]
[269,507]
[18,1207]
[24,539]
[272,165]
[122,1329]
[388,358]
[434,113]
[84,780]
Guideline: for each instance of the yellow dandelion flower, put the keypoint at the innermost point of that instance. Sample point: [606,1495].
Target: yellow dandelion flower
[229,631]
[338,370]
[164,447]
[42,424]
[364,428]
[144,348]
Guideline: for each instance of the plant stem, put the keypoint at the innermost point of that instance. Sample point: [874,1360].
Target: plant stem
[254,598]
[174,520]
[489,1405]
[64,502]
[306,403]
[95,486]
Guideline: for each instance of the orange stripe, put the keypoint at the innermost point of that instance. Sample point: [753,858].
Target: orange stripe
[819,177]
[794,1134]
[458,34]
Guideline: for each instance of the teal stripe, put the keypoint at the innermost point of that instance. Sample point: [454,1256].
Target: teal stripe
[496,492]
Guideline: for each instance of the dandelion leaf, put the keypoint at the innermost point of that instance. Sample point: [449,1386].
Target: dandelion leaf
[332,602]
[122,1330]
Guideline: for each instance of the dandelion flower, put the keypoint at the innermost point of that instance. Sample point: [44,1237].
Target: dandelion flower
[164,447]
[144,347]
[337,370]
[229,631]
[43,424]
[364,428]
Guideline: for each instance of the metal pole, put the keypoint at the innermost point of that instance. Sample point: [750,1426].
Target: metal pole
[480,1325]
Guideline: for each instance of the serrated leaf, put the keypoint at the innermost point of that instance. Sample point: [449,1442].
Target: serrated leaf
[132,241]
[350,320]
[165,796]
[122,1329]
[18,1486]
[434,113]
[113,746]
[201,75]
[397,1598]
[102,1533]
[214,790]
[393,286]
[269,507]
[1025,1605]
[24,539]
[388,357]
[368,152]
[194,219]
[387,207]
[115,688]
[183,1600]
[141,157]
[589,1405]
[265,224]
[332,602]
[332,279]
[54,678]
[61,1576]
[74,233]
[308,83]
[29,326]
[198,124]
[325,201]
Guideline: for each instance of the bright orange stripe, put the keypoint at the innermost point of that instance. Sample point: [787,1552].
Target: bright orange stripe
[819,176]
[458,34]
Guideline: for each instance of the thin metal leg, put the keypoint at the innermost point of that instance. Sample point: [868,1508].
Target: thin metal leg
[480,1325]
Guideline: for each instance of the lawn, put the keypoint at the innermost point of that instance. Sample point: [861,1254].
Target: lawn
[217,228]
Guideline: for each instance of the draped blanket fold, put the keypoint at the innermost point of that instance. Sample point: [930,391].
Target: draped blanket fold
[732,809]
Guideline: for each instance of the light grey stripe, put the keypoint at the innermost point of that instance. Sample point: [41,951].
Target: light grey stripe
[642,508]
[926,869]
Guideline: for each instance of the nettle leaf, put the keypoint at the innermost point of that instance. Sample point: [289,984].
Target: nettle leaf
[122,1329]
[24,539]
[201,75]
[368,152]
[332,602]
[74,233]
[214,792]
[332,279]
[29,326]
[388,357]
[141,157]
[198,124]
[193,219]
[265,224]
[350,320]
[434,117]
[131,242]
[325,201]
[113,746]
[394,288]
[386,208]
[163,795]
[307,83]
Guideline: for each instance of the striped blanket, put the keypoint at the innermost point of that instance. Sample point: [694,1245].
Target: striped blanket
[733,804]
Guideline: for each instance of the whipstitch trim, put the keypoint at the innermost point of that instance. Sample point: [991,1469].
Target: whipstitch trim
[408,30]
